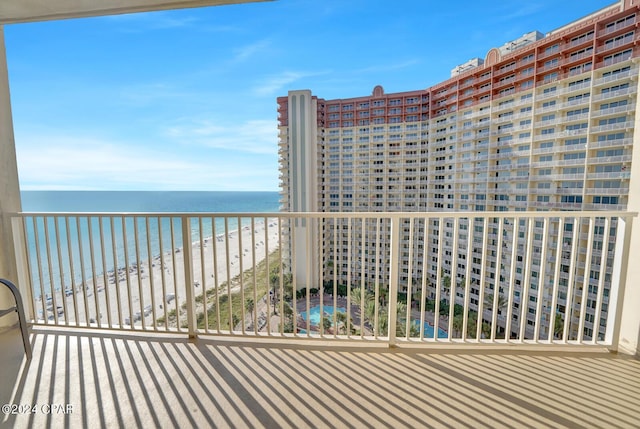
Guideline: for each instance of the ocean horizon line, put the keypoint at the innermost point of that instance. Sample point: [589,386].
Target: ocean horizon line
[143,190]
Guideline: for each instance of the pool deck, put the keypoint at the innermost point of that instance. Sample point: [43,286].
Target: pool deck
[327,300]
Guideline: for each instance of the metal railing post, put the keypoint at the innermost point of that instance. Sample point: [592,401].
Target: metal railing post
[394,262]
[618,281]
[187,254]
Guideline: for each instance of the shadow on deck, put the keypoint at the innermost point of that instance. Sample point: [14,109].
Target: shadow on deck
[134,380]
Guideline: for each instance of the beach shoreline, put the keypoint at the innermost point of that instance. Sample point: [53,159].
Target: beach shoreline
[136,295]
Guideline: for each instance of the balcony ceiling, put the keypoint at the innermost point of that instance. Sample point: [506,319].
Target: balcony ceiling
[16,11]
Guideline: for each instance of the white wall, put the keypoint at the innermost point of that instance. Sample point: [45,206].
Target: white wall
[9,187]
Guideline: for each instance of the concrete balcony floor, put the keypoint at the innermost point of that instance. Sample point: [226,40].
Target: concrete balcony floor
[115,379]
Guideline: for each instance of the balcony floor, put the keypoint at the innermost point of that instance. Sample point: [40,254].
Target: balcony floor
[131,380]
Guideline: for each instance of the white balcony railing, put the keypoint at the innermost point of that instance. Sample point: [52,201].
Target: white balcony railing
[356,276]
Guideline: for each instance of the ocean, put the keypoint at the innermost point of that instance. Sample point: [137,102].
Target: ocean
[149,201]
[71,240]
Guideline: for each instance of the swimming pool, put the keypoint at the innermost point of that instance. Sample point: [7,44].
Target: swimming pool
[428,330]
[314,313]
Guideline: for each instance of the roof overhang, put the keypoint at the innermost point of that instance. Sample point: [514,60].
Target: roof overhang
[16,11]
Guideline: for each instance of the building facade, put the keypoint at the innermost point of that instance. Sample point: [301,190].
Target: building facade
[545,122]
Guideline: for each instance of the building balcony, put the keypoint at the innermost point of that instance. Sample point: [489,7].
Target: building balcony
[174,381]
[200,319]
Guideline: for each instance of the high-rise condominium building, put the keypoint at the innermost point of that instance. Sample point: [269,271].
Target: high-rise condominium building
[544,122]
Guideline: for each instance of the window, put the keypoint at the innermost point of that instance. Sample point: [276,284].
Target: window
[577,112]
[615,88]
[617,71]
[581,97]
[570,142]
[582,126]
[618,120]
[605,200]
[618,57]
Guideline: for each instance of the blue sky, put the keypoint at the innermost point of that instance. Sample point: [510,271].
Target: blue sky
[186,100]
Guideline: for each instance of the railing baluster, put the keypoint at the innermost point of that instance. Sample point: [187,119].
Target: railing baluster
[216,277]
[556,282]
[43,297]
[105,280]
[94,278]
[394,262]
[467,278]
[526,276]
[308,275]
[541,284]
[187,255]
[453,284]
[52,288]
[82,269]
[116,271]
[336,267]
[483,272]
[203,277]
[363,240]
[568,316]
[512,278]
[174,269]
[376,326]
[268,275]
[409,282]
[241,277]
[63,293]
[136,236]
[585,280]
[606,235]
[294,275]
[162,272]
[281,279]
[255,274]
[150,269]
[423,286]
[321,257]
[496,283]
[227,238]
[348,286]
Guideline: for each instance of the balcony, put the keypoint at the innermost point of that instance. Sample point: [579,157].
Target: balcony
[130,381]
[128,327]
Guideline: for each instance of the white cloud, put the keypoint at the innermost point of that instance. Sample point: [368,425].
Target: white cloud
[247,51]
[79,163]
[151,20]
[258,136]
[274,84]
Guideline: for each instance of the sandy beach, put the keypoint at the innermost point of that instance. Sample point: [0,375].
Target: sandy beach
[142,293]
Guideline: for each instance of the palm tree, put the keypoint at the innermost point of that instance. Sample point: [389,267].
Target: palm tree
[326,324]
[488,302]
[446,285]
[558,326]
[341,320]
[457,325]
[250,305]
